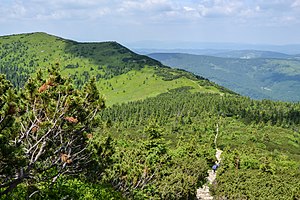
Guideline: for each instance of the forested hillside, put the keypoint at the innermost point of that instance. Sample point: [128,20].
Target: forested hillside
[260,139]
[135,130]
[247,73]
[121,74]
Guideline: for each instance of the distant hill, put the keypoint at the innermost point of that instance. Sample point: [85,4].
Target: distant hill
[207,52]
[199,46]
[249,54]
[121,74]
[224,53]
[271,78]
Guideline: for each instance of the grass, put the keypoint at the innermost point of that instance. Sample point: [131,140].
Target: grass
[140,84]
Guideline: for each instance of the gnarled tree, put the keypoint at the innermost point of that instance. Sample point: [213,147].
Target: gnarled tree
[53,122]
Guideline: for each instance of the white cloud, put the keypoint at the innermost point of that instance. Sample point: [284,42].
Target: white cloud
[216,8]
[137,16]
[143,10]
[147,6]
[296,4]
[186,8]
[257,8]
[53,9]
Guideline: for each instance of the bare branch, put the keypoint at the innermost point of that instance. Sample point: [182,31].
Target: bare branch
[40,151]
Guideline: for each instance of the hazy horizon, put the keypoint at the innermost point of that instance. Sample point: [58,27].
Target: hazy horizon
[195,44]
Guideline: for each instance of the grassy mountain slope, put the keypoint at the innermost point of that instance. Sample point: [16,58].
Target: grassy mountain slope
[277,79]
[136,85]
[122,75]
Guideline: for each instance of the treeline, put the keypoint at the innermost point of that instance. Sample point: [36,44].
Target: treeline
[183,105]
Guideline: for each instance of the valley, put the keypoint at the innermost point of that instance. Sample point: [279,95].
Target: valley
[274,76]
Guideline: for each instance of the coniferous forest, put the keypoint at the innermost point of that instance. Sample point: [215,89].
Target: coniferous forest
[66,135]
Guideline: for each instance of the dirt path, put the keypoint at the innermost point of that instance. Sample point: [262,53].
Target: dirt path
[218,156]
[203,192]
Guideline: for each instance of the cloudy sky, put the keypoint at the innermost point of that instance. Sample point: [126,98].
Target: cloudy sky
[125,21]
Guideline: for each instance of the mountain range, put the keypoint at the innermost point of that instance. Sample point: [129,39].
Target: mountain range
[257,74]
[199,46]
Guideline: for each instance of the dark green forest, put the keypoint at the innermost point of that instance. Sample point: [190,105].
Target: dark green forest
[61,139]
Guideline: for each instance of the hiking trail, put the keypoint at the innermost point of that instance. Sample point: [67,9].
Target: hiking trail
[203,192]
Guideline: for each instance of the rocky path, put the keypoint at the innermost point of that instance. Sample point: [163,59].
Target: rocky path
[203,192]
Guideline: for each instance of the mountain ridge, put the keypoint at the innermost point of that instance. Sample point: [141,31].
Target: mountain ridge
[225,53]
[111,63]
[250,54]
[284,48]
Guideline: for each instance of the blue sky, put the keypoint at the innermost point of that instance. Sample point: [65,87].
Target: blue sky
[125,21]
